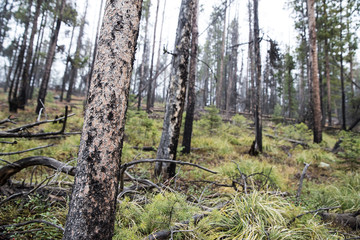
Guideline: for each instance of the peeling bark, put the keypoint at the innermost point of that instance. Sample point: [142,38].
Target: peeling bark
[176,94]
[93,203]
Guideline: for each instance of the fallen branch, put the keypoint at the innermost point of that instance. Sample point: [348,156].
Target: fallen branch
[9,170]
[27,150]
[6,142]
[9,119]
[314,211]
[301,181]
[126,165]
[289,140]
[8,134]
[32,221]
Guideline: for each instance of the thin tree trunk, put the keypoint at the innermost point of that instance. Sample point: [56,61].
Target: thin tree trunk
[143,61]
[313,63]
[343,98]
[49,59]
[257,145]
[192,79]
[77,58]
[176,94]
[151,87]
[93,203]
[66,72]
[25,83]
[219,84]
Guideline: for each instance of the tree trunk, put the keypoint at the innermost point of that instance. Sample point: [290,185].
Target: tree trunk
[257,147]
[49,59]
[66,72]
[25,83]
[143,60]
[219,84]
[328,85]
[192,79]
[176,94]
[77,58]
[313,63]
[151,86]
[93,202]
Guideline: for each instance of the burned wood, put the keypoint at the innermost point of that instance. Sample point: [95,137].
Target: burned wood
[30,222]
[343,219]
[126,165]
[27,150]
[145,149]
[6,142]
[289,140]
[9,119]
[310,212]
[8,134]
[9,170]
[301,181]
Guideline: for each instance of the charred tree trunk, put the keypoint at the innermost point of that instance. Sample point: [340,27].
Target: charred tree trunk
[257,145]
[93,202]
[176,94]
[192,78]
[25,83]
[313,63]
[66,72]
[49,59]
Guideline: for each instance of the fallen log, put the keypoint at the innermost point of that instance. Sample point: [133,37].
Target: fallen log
[9,170]
[27,150]
[343,219]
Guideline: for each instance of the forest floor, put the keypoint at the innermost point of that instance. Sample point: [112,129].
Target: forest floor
[249,197]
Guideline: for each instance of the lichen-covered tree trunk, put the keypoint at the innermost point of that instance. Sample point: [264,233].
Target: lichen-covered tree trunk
[93,202]
[189,119]
[313,63]
[49,59]
[176,93]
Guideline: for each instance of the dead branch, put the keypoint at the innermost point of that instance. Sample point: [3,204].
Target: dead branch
[31,125]
[126,165]
[32,221]
[6,142]
[310,212]
[145,149]
[9,170]
[27,150]
[8,134]
[289,140]
[301,181]
[9,119]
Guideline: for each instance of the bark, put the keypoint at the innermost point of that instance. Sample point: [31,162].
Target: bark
[192,79]
[13,101]
[77,58]
[66,72]
[49,59]
[93,202]
[313,63]
[176,94]
[219,84]
[257,91]
[25,83]
[11,169]
[343,98]
[151,86]
[144,57]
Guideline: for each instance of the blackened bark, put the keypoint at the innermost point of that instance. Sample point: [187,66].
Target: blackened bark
[176,94]
[313,63]
[93,202]
[192,78]
[257,147]
[49,60]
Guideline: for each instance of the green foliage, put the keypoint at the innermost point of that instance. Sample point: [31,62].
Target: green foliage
[239,120]
[211,120]
[351,149]
[259,216]
[297,131]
